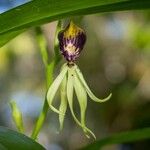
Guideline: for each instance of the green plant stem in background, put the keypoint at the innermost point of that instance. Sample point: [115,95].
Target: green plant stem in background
[119,138]
[49,70]
[40,121]
[43,114]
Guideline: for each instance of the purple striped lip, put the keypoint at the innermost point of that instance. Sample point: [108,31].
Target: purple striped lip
[71,42]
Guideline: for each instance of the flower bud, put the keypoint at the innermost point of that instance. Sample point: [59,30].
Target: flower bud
[71,41]
[17,116]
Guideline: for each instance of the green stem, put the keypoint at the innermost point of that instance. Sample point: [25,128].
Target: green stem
[49,69]
[43,114]
[40,120]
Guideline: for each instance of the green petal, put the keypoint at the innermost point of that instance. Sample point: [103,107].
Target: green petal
[82,98]
[63,103]
[54,87]
[70,83]
[91,95]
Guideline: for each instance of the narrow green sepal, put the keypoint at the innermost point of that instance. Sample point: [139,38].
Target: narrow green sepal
[82,99]
[63,103]
[54,87]
[91,95]
[70,84]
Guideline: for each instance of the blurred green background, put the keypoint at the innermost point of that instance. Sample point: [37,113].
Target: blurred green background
[116,58]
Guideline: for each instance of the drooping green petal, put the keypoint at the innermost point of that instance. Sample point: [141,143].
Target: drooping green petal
[91,95]
[63,103]
[54,87]
[82,98]
[70,83]
[70,93]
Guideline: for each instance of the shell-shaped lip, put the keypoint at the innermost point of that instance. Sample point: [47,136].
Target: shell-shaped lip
[71,41]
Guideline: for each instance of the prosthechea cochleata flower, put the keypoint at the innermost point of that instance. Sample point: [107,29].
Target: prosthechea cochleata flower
[71,42]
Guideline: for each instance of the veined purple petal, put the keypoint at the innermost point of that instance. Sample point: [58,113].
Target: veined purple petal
[71,41]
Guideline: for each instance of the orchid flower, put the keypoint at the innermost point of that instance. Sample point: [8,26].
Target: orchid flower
[71,42]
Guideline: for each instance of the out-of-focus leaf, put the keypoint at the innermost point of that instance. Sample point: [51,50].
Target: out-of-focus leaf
[11,140]
[125,137]
[4,38]
[38,12]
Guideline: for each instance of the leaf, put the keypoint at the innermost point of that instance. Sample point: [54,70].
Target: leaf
[4,38]
[38,12]
[11,140]
[124,137]
[91,95]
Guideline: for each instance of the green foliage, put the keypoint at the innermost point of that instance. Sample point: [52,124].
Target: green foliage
[11,140]
[119,138]
[38,12]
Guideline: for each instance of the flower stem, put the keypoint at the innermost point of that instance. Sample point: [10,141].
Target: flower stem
[49,70]
[43,114]
[40,120]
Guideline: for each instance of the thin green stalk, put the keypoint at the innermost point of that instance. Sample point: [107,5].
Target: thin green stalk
[43,114]
[49,69]
[40,120]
